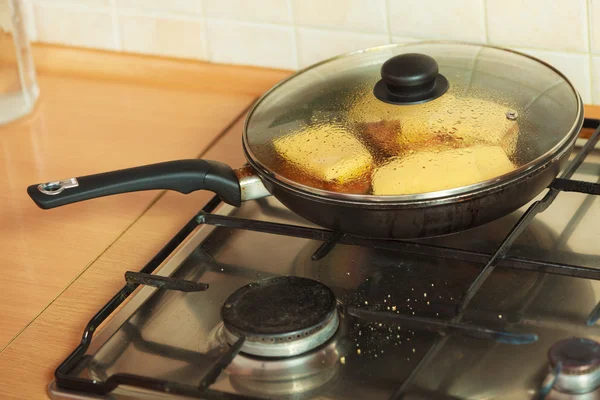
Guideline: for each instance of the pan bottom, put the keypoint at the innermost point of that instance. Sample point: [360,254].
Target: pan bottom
[417,220]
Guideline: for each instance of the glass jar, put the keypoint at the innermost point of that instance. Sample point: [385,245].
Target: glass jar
[18,84]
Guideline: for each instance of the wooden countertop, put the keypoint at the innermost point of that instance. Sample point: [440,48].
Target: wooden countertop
[100,111]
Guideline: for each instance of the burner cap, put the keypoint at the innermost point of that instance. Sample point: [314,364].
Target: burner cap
[281,316]
[580,364]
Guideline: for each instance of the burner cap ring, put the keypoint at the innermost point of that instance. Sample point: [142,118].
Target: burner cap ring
[580,364]
[306,343]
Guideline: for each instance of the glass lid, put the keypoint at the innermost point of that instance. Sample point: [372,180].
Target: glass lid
[415,121]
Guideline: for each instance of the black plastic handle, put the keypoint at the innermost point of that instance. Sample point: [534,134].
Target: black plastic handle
[410,78]
[183,176]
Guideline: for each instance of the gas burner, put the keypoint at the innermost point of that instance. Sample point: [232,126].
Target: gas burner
[280,317]
[580,365]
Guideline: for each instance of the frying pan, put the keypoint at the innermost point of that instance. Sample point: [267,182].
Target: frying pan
[540,157]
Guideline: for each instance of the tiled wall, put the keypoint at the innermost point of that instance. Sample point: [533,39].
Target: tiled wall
[295,33]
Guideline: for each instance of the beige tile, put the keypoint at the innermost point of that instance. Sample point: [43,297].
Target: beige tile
[596,80]
[74,27]
[274,11]
[165,6]
[316,45]
[438,19]
[76,3]
[351,15]
[552,25]
[162,36]
[594,25]
[251,44]
[576,68]
[402,39]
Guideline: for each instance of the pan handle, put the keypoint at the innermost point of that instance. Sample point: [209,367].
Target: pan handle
[183,176]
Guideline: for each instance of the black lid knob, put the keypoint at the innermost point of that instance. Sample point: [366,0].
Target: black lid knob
[409,79]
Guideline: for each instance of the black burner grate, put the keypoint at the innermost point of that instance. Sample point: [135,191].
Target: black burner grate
[330,239]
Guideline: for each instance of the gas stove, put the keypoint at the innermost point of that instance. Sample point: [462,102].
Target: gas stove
[255,302]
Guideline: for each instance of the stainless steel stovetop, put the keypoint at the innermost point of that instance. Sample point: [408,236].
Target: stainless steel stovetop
[546,289]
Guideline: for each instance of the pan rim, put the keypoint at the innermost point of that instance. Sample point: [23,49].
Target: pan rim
[440,196]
